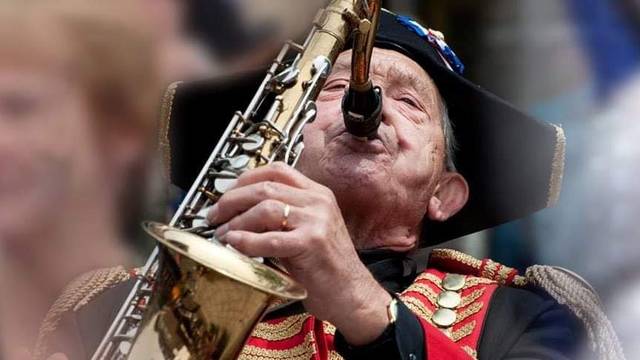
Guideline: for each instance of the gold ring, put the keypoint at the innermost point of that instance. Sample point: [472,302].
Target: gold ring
[285,216]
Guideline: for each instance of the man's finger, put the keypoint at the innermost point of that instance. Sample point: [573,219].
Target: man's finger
[269,215]
[240,199]
[277,172]
[280,244]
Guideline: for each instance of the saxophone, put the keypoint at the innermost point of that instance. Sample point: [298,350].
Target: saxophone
[196,298]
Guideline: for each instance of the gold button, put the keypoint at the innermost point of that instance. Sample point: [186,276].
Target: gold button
[449,299]
[444,317]
[453,282]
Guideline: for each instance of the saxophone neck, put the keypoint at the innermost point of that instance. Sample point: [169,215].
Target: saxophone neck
[363,41]
[362,103]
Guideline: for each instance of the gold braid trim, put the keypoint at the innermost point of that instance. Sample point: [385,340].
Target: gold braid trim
[472,309]
[520,281]
[431,278]
[470,351]
[335,356]
[450,254]
[467,300]
[424,290]
[165,120]
[303,351]
[463,332]
[557,167]
[328,328]
[475,281]
[285,329]
[417,307]
[503,274]
[490,269]
[75,296]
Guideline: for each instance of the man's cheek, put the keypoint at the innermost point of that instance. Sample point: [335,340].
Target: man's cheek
[328,113]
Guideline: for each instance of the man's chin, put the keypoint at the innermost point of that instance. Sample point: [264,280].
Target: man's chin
[356,170]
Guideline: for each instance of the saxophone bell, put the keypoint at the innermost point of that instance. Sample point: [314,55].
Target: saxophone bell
[206,297]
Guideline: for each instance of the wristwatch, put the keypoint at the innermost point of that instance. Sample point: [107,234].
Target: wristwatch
[392,311]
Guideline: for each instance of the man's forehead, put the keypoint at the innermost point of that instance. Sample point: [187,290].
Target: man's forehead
[390,63]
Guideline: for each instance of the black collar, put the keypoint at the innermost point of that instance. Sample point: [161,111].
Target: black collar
[394,271]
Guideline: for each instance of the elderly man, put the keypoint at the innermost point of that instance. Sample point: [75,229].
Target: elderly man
[345,223]
[349,195]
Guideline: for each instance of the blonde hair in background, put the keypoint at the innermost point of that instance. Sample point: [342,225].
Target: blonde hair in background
[107,46]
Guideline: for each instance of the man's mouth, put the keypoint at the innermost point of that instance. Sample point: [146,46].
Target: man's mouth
[373,146]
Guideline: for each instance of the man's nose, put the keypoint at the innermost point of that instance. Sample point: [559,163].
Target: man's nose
[387,110]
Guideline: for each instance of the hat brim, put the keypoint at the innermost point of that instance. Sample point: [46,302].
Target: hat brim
[512,162]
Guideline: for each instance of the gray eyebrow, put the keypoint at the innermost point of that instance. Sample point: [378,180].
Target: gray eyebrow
[341,66]
[408,77]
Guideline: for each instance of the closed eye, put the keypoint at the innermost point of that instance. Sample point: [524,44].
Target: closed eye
[333,90]
[335,86]
[412,102]
[409,101]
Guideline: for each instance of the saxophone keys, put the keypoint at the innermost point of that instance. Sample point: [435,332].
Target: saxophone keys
[239,162]
[225,182]
[253,142]
[295,46]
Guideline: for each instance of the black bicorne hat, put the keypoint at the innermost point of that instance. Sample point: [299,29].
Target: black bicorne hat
[512,162]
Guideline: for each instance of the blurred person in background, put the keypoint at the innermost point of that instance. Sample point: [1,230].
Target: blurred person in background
[610,166]
[246,34]
[78,92]
[594,229]
[181,56]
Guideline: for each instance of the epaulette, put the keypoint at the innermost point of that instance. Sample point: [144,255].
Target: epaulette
[79,293]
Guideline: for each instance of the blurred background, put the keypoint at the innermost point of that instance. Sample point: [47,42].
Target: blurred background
[571,62]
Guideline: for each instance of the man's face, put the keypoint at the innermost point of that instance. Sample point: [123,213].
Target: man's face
[404,164]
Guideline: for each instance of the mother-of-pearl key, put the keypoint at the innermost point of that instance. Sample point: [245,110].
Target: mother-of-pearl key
[225,181]
[239,162]
[253,142]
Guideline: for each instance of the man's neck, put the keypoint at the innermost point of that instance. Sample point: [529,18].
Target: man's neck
[379,230]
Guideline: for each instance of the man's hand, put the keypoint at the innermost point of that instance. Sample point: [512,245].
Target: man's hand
[313,244]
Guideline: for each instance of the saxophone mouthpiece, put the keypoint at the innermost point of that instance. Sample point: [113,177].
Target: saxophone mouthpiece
[362,112]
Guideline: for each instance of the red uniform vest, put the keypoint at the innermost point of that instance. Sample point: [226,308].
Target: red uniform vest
[303,336]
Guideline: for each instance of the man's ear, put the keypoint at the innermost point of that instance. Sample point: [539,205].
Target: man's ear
[450,196]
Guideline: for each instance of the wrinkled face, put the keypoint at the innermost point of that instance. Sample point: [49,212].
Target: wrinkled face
[407,158]
[44,145]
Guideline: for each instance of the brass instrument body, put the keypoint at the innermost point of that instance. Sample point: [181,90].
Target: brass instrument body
[205,298]
[199,299]
[364,38]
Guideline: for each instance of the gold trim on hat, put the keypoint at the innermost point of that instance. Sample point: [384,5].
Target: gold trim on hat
[557,167]
[164,142]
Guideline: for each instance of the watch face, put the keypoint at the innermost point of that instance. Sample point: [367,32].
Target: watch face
[392,310]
